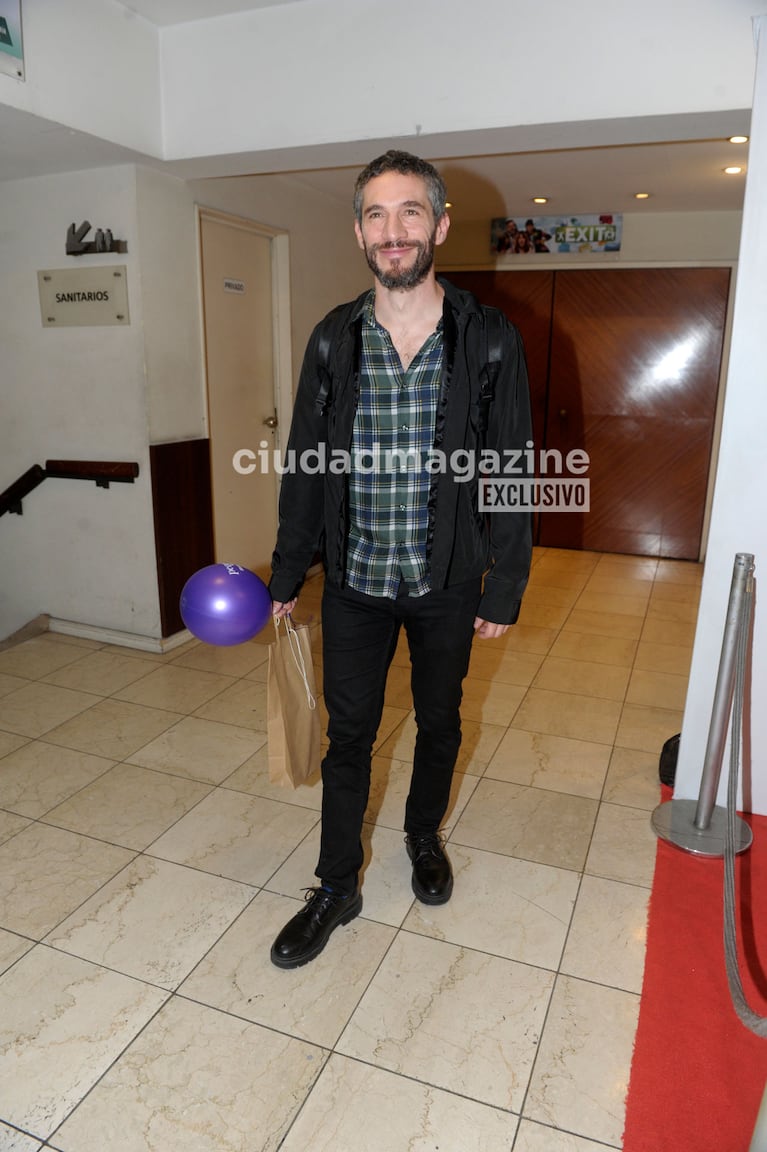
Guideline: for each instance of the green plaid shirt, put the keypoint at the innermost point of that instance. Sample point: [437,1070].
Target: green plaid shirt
[389,482]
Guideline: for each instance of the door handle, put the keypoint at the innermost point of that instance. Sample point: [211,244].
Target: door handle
[271,422]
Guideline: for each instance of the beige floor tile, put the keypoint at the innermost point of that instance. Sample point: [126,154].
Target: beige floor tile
[678,632]
[681,593]
[112,728]
[200,749]
[679,572]
[175,688]
[657,689]
[530,638]
[632,779]
[533,1137]
[624,846]
[37,708]
[603,623]
[253,777]
[542,593]
[63,1021]
[537,615]
[38,776]
[581,1074]
[243,704]
[671,658]
[398,693]
[489,703]
[616,605]
[314,1002]
[646,728]
[237,836]
[45,873]
[584,677]
[10,741]
[552,762]
[617,583]
[458,1019]
[479,742]
[254,1081]
[626,567]
[606,942]
[503,906]
[673,610]
[389,787]
[101,673]
[355,1106]
[10,824]
[9,684]
[529,823]
[503,666]
[35,658]
[128,805]
[154,921]
[236,660]
[11,1140]
[568,714]
[612,650]
[12,948]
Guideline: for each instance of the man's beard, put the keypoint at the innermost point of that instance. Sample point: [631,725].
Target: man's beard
[397,276]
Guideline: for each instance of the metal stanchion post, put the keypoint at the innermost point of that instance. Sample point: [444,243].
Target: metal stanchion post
[699,826]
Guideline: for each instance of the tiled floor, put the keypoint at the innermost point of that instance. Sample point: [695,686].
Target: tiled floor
[146,863]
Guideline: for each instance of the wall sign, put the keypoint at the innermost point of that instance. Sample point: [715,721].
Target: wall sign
[589,233]
[83,297]
[236,286]
[11,45]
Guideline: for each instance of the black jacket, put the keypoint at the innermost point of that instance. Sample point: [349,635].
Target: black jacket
[462,543]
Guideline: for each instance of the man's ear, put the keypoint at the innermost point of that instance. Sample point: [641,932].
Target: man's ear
[442,228]
[358,234]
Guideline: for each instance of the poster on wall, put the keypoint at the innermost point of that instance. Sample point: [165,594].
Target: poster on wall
[589,233]
[11,47]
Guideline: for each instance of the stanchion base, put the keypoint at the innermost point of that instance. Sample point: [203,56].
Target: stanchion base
[675,821]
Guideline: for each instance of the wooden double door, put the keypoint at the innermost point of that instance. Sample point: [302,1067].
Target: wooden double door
[624,363]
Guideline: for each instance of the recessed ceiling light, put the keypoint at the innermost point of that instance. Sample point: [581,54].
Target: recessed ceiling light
[641,195]
[739,139]
[448,204]
[540,199]
[733,170]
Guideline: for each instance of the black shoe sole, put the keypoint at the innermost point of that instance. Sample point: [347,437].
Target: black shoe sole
[428,898]
[350,914]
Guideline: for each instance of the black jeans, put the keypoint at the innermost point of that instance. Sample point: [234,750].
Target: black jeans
[359,638]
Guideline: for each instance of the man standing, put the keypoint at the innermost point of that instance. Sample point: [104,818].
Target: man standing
[402,383]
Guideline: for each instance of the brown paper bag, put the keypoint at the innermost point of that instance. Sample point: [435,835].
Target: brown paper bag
[292,716]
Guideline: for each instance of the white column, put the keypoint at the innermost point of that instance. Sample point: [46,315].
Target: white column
[739,512]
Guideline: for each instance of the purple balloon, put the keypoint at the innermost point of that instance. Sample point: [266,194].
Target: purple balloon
[225,604]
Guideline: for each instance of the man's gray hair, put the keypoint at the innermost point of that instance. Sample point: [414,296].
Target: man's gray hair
[407,165]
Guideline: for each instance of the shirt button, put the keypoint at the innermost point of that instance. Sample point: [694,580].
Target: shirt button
[405,427]
[402,507]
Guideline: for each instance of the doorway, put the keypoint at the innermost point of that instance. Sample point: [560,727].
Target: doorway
[246,326]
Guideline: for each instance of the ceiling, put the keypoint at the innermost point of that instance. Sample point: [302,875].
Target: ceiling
[484,181]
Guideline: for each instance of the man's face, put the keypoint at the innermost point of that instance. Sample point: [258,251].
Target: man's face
[398,233]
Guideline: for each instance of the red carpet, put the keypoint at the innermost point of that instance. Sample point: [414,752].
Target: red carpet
[698,1074]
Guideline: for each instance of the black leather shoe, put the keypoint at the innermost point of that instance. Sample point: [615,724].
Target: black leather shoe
[432,875]
[308,932]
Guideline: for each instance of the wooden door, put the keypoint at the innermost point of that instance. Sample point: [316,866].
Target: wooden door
[239,348]
[624,363]
[633,380]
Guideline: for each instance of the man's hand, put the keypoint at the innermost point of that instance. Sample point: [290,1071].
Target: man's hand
[280,609]
[489,631]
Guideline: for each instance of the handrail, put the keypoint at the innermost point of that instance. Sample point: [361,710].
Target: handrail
[102,472]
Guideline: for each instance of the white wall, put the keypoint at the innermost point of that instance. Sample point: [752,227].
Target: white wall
[738,520]
[78,552]
[324,71]
[94,66]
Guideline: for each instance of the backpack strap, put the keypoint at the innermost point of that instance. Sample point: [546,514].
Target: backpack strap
[491,368]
